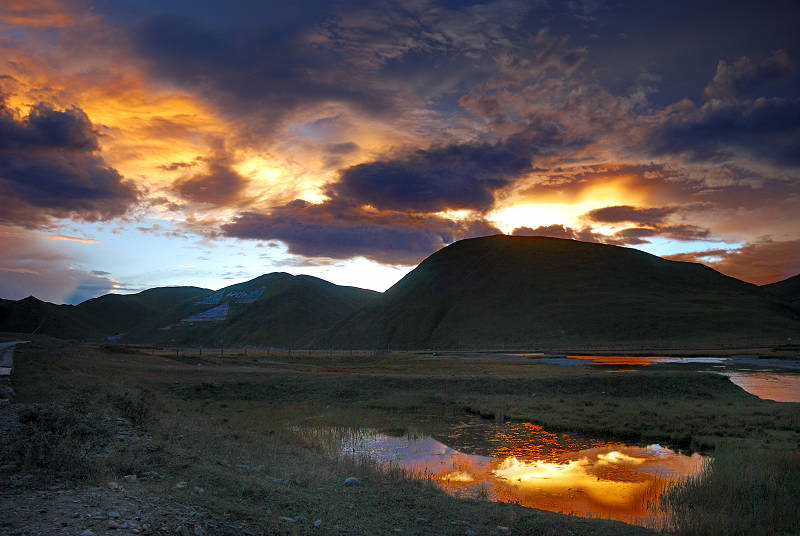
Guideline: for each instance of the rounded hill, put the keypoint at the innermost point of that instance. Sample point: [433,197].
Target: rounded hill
[518,291]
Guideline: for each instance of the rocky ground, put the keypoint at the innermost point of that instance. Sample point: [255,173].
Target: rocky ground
[34,503]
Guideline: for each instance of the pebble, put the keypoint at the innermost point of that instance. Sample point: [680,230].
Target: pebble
[114,485]
[87,532]
[317,523]
[469,532]
[114,515]
[199,490]
[421,520]
[352,481]
[287,519]
[501,528]
[129,478]
[114,524]
[180,485]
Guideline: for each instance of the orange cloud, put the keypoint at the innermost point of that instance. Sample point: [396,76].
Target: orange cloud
[70,238]
[34,13]
[759,262]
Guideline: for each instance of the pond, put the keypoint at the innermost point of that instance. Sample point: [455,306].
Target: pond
[525,464]
[769,385]
[769,379]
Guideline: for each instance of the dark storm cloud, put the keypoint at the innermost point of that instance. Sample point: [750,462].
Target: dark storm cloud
[627,213]
[746,77]
[558,231]
[219,185]
[50,167]
[765,129]
[331,230]
[261,71]
[452,177]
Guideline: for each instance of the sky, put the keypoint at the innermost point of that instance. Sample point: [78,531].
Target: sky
[149,143]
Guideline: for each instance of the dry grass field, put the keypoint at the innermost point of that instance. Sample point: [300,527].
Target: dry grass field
[217,434]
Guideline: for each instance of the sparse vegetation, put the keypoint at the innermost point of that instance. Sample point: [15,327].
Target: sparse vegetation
[231,427]
[739,492]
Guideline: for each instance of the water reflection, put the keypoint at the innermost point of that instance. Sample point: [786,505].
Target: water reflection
[781,387]
[638,361]
[535,468]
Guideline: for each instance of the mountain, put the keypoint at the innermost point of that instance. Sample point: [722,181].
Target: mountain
[97,318]
[276,309]
[30,315]
[521,292]
[117,313]
[787,290]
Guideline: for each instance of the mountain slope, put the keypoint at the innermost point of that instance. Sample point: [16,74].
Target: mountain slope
[787,290]
[276,309]
[117,313]
[30,315]
[509,291]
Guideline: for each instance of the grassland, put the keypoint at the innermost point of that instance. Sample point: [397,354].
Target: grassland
[224,425]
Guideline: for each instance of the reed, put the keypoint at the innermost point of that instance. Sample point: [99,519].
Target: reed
[738,492]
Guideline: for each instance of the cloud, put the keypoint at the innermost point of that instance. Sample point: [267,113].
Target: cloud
[259,71]
[745,77]
[70,238]
[220,184]
[627,213]
[766,129]
[50,167]
[559,231]
[756,262]
[31,266]
[463,176]
[341,232]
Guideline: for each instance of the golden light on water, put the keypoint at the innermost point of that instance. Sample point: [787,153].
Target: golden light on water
[539,469]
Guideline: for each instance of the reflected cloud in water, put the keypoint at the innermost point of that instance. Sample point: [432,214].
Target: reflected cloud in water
[538,469]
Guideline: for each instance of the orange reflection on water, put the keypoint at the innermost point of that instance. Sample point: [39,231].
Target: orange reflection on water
[782,387]
[620,359]
[545,470]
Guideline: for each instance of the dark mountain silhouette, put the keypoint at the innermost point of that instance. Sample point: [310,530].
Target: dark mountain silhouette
[276,309]
[509,291]
[787,290]
[491,292]
[118,313]
[30,315]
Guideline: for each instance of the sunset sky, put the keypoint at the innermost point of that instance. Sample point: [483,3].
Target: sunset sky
[148,143]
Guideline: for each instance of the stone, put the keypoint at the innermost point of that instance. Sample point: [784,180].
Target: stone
[180,485]
[501,528]
[317,523]
[287,519]
[129,478]
[421,520]
[469,532]
[87,532]
[114,524]
[199,490]
[114,486]
[114,515]
[352,481]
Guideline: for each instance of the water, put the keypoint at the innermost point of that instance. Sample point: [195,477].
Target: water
[778,384]
[525,464]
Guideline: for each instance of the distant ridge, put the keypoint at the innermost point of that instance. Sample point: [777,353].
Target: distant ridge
[516,292]
[787,290]
[483,293]
[276,309]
